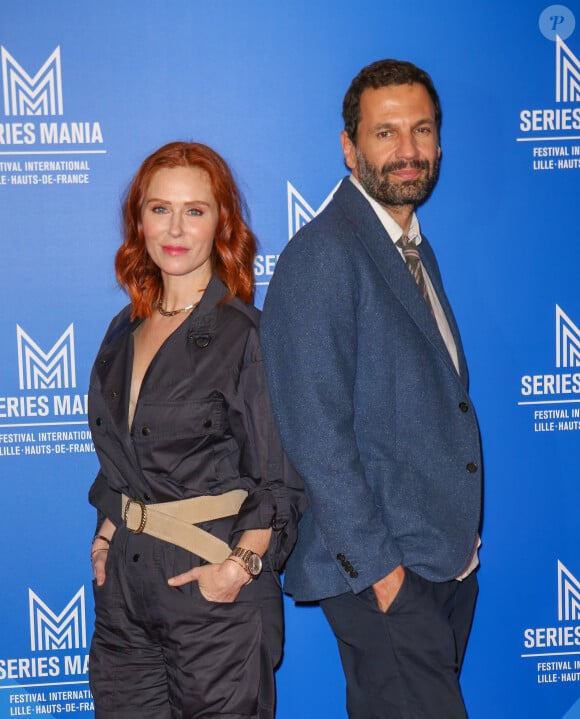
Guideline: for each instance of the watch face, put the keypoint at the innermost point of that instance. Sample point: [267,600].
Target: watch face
[254,564]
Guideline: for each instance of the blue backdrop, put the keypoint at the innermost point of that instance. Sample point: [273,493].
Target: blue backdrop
[89,89]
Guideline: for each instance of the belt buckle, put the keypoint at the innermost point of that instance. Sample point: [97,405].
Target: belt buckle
[143,521]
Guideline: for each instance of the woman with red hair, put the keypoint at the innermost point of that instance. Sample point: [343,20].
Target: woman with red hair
[197,507]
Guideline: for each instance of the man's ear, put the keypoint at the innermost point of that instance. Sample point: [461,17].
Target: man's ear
[349,151]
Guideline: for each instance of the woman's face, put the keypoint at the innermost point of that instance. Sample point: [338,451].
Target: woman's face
[179,219]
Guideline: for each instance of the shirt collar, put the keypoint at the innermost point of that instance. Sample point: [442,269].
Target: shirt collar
[394,230]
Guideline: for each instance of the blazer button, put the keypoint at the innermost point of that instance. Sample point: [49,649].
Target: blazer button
[471,467]
[463,406]
[354,574]
[207,424]
[115,393]
[145,431]
[98,421]
[340,557]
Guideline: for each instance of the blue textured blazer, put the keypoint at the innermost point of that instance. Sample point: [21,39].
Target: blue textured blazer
[371,410]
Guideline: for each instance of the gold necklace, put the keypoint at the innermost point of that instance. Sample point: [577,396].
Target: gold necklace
[172,313]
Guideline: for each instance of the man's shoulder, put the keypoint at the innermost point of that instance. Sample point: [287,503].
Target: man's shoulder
[333,227]
[347,202]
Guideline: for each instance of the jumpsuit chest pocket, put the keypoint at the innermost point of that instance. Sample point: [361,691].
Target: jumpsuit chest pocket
[180,441]
[169,420]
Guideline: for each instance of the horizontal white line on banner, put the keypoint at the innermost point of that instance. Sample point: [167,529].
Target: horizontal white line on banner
[48,684]
[549,654]
[56,152]
[42,424]
[553,401]
[547,138]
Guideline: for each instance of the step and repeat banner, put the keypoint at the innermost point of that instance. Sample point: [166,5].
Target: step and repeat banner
[89,89]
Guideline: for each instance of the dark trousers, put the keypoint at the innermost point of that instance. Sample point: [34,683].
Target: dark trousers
[404,664]
[161,652]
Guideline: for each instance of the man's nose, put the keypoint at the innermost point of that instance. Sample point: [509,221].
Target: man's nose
[407,146]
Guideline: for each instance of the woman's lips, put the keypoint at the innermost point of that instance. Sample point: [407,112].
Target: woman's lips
[174,250]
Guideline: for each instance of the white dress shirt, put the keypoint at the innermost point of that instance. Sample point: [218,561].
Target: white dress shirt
[395,232]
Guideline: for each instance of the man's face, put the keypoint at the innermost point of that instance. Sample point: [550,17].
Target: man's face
[396,156]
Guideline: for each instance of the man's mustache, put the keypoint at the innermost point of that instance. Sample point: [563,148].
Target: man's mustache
[405,165]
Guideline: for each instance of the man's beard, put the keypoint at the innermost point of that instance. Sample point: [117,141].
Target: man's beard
[409,192]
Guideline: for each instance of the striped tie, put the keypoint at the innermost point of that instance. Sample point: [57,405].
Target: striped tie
[413,261]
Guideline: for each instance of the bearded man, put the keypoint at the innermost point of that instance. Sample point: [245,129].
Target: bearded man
[369,386]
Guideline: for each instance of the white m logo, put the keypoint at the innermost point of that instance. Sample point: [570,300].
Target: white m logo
[568,595]
[26,95]
[66,630]
[54,369]
[567,73]
[299,211]
[567,341]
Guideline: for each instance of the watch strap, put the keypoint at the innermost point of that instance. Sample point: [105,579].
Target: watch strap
[245,557]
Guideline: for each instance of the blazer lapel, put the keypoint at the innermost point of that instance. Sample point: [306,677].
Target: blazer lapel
[373,236]
[430,264]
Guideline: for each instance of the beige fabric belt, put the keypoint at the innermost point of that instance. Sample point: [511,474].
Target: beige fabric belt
[175,521]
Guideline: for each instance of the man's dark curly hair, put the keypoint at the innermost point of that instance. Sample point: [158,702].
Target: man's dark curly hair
[382,74]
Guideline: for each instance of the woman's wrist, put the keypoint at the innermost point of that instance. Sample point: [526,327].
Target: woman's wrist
[239,573]
[100,544]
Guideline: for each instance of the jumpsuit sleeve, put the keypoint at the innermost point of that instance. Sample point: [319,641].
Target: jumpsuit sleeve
[277,499]
[106,501]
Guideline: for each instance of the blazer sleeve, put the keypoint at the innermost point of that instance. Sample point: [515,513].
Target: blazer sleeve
[309,332]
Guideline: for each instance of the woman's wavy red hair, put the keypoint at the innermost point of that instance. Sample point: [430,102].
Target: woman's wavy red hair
[234,243]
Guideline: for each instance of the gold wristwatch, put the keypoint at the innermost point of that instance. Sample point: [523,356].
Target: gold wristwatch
[251,561]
